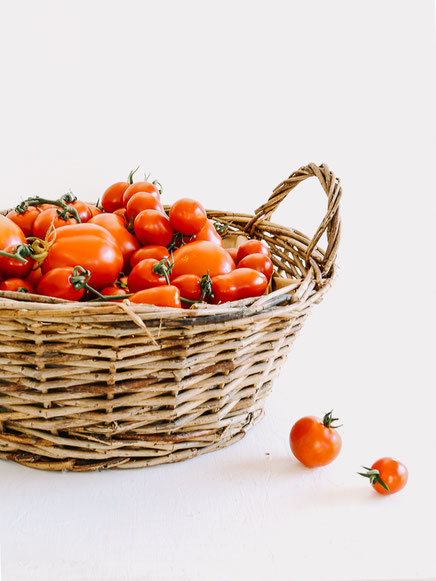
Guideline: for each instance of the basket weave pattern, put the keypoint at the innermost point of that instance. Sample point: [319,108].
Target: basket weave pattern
[87,386]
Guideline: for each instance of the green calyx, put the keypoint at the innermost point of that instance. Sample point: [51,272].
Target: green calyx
[178,240]
[80,278]
[374,477]
[328,420]
[164,268]
[66,211]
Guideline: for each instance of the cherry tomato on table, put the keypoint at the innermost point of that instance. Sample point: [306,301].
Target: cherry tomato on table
[315,442]
[387,476]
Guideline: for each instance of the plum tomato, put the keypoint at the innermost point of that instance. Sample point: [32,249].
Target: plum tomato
[142,201]
[10,233]
[209,233]
[57,283]
[136,187]
[160,296]
[44,220]
[146,275]
[241,283]
[233,253]
[116,226]
[112,198]
[16,285]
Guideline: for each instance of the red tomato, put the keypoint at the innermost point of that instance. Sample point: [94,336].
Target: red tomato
[209,233]
[16,285]
[82,209]
[12,268]
[160,296]
[315,442]
[114,291]
[157,252]
[112,198]
[189,286]
[241,283]
[387,476]
[57,283]
[253,247]
[201,257]
[233,253]
[258,262]
[34,277]
[10,233]
[142,201]
[145,187]
[26,219]
[90,246]
[187,216]
[94,211]
[123,213]
[143,276]
[115,225]
[152,227]
[44,220]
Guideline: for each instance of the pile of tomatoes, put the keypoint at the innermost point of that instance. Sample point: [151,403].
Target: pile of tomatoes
[127,247]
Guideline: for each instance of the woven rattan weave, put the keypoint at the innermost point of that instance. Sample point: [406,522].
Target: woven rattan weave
[87,386]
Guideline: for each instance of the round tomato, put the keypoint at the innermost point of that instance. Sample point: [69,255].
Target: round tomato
[115,225]
[152,227]
[258,262]
[187,216]
[189,286]
[57,283]
[44,220]
[233,253]
[209,233]
[387,476]
[16,285]
[82,209]
[315,442]
[34,277]
[241,283]
[157,252]
[10,233]
[160,296]
[112,198]
[201,257]
[13,268]
[142,201]
[90,246]
[115,291]
[252,247]
[26,219]
[145,187]
[146,275]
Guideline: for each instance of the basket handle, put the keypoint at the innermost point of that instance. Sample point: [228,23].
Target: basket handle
[331,221]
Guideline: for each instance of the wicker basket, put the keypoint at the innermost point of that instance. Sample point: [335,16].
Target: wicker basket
[115,385]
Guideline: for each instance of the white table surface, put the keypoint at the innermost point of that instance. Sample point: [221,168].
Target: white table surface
[221,103]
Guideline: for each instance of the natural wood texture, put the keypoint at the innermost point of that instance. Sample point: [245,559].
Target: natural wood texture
[87,386]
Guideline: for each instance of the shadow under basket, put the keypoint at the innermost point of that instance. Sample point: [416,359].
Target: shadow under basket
[88,386]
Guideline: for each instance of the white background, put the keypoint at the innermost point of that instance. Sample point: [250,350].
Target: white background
[221,101]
